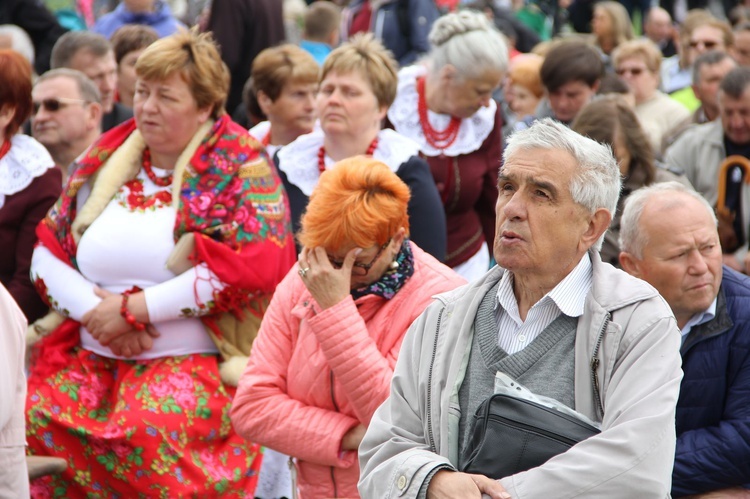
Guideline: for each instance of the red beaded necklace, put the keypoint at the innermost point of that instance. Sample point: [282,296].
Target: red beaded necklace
[160,181]
[437,139]
[322,154]
[4,148]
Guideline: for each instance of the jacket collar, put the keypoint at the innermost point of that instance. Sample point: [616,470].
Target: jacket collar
[611,288]
[720,324]
[714,133]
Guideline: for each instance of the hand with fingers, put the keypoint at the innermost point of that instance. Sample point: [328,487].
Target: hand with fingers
[133,342]
[106,324]
[447,484]
[327,285]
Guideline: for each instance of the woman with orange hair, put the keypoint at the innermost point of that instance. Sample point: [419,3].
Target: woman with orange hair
[324,356]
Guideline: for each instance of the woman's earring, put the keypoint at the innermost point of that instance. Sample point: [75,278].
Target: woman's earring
[394,265]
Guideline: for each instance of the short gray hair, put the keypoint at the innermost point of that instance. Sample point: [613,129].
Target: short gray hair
[632,239]
[596,184]
[467,41]
[72,42]
[87,88]
[710,58]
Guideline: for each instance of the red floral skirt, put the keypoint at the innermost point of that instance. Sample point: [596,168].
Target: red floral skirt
[154,428]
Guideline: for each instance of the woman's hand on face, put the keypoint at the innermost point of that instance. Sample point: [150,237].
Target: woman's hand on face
[326,284]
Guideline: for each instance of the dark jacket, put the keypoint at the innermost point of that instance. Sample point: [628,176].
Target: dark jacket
[119,114]
[38,22]
[242,28]
[402,25]
[713,411]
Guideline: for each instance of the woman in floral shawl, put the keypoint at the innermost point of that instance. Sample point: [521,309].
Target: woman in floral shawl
[162,252]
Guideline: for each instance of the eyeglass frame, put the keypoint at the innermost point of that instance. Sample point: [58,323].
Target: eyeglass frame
[337,264]
[54,104]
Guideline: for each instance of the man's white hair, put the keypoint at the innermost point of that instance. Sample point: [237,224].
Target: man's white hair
[20,41]
[596,183]
[632,239]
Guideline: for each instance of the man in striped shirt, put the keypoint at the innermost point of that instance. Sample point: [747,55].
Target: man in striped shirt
[554,318]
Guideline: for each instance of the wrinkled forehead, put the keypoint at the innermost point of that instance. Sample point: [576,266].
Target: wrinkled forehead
[551,166]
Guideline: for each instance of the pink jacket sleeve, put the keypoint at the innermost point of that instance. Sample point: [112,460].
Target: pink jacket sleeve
[263,412]
[364,372]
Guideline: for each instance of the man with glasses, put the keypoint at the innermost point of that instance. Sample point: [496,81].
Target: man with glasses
[700,33]
[701,149]
[92,55]
[67,114]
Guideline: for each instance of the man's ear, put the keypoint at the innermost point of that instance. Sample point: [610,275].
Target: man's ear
[629,264]
[598,225]
[95,114]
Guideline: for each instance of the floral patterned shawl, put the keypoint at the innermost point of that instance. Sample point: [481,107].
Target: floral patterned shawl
[227,194]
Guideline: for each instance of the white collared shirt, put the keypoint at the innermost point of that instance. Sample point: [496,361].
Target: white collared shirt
[568,298]
[698,319]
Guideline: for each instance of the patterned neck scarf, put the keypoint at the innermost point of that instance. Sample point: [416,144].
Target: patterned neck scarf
[393,279]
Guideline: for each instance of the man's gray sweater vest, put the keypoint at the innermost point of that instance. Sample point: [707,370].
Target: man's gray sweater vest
[545,366]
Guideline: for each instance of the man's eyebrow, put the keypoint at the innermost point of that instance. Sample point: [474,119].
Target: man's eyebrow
[541,184]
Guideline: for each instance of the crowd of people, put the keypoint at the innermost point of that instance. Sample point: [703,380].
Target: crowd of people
[299,248]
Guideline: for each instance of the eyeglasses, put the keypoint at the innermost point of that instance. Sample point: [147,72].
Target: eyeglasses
[358,268]
[632,71]
[55,104]
[708,44]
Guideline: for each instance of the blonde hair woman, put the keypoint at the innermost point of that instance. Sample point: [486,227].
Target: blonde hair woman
[358,84]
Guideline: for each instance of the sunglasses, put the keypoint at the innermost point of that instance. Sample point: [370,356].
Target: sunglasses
[708,44]
[632,71]
[360,269]
[55,104]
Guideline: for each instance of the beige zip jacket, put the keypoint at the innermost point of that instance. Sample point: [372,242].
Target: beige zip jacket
[14,479]
[638,374]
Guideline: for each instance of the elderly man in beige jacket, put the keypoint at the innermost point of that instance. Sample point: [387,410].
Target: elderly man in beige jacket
[14,479]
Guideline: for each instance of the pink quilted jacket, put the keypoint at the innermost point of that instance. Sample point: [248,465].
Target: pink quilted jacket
[314,374]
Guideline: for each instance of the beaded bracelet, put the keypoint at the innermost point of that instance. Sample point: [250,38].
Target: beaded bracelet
[126,314]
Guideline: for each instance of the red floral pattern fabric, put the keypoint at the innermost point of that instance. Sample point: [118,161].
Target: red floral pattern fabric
[132,429]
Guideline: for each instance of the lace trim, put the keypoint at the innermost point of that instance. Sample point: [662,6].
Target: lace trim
[299,160]
[405,118]
[26,160]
